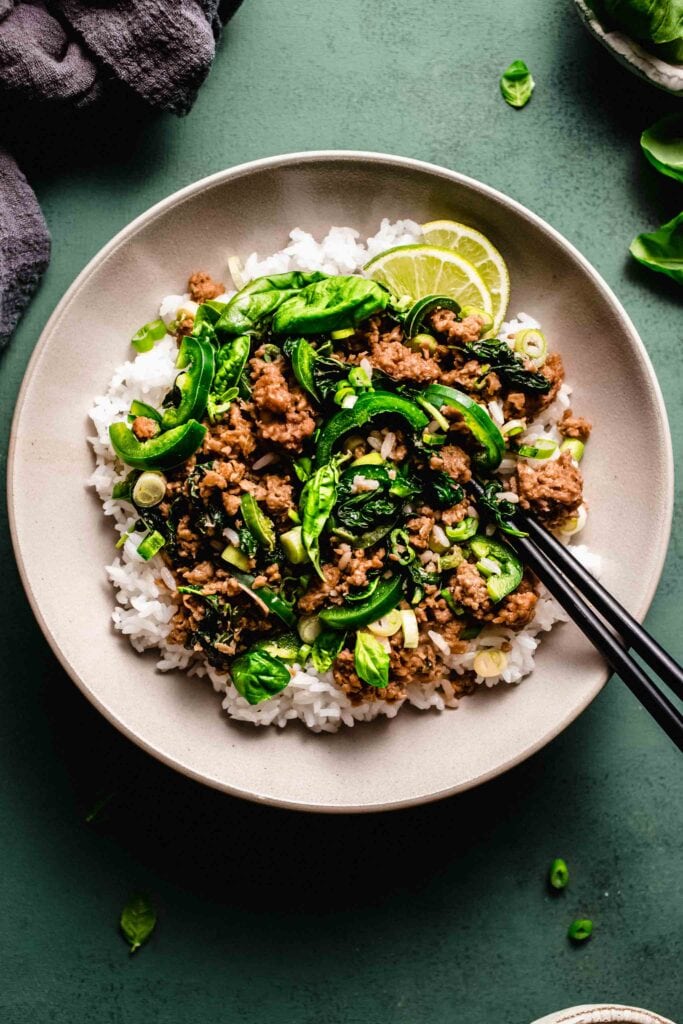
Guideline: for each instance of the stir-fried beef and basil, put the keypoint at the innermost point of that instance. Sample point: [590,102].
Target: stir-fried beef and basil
[306,479]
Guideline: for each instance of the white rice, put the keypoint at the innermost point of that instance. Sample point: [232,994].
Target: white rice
[146,596]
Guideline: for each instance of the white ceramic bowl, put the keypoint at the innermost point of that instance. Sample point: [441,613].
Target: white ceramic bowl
[604,1013]
[632,54]
[63,542]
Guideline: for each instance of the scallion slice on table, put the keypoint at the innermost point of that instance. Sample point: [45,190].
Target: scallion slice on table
[580,929]
[559,874]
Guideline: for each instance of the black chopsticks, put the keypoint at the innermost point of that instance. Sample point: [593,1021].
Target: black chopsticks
[574,587]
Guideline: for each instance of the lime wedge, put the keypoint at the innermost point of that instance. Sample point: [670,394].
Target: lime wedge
[483,256]
[419,270]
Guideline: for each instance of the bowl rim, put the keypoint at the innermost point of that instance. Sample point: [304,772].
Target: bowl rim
[632,54]
[604,1013]
[233,173]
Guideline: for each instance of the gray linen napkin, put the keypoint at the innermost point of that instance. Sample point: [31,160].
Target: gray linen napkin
[67,51]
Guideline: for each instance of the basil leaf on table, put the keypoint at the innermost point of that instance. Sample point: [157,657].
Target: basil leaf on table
[662,144]
[662,250]
[258,676]
[516,84]
[317,501]
[371,660]
[138,919]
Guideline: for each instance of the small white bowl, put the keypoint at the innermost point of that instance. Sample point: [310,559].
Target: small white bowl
[631,54]
[604,1013]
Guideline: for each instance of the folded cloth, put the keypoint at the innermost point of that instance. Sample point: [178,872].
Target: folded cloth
[66,51]
[24,245]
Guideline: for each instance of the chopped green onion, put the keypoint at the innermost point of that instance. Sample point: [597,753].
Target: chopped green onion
[531,343]
[487,318]
[559,874]
[411,636]
[433,440]
[452,560]
[465,529]
[371,459]
[456,608]
[387,625]
[438,541]
[349,401]
[574,524]
[152,543]
[435,413]
[490,663]
[236,272]
[143,339]
[580,929]
[573,445]
[358,378]
[542,448]
[233,556]
[343,332]
[122,539]
[150,489]
[293,546]
[309,627]
[489,567]
[342,393]
[513,427]
[423,341]
[293,515]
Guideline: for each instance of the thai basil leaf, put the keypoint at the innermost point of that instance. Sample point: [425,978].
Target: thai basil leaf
[445,492]
[516,84]
[143,340]
[371,660]
[662,250]
[499,510]
[330,304]
[303,468]
[317,501]
[249,310]
[214,628]
[258,676]
[138,920]
[248,543]
[209,313]
[326,646]
[663,145]
[231,360]
[503,361]
[655,21]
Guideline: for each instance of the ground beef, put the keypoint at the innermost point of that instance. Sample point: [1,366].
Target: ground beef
[403,363]
[202,287]
[444,321]
[143,427]
[282,410]
[322,592]
[279,495]
[454,461]
[200,574]
[468,587]
[574,426]
[346,678]
[471,377]
[420,528]
[553,490]
[234,438]
[187,539]
[517,609]
[355,566]
[519,405]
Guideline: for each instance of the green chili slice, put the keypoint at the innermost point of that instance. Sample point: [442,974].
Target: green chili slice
[196,360]
[164,451]
[369,406]
[511,571]
[385,598]
[475,418]
[415,319]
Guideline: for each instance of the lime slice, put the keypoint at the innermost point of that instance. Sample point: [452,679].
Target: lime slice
[419,270]
[477,249]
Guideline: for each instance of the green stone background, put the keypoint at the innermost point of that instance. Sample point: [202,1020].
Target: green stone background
[437,914]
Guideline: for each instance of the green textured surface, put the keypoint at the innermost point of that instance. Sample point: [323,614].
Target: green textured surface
[438,914]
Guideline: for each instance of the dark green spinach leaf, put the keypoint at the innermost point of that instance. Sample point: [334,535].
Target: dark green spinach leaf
[502,360]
